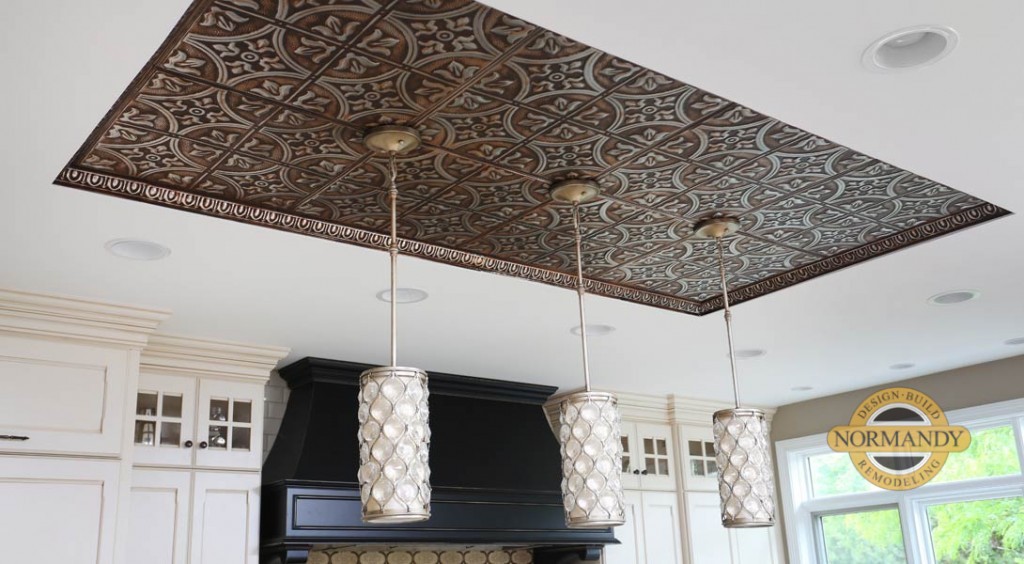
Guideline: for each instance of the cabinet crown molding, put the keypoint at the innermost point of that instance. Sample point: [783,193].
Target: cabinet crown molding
[59,316]
[178,353]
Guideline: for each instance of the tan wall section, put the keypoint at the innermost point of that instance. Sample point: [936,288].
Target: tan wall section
[954,389]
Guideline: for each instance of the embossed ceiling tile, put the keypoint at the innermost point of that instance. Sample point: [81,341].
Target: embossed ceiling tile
[289,10]
[160,152]
[726,140]
[521,243]
[202,105]
[921,205]
[324,147]
[767,261]
[336,22]
[482,120]
[236,61]
[119,134]
[693,254]
[358,206]
[380,96]
[700,286]
[600,261]
[220,21]
[555,160]
[802,164]
[556,65]
[547,130]
[855,193]
[264,185]
[729,195]
[439,224]
[651,110]
[846,233]
[460,29]
[657,188]
[785,218]
[646,232]
[500,201]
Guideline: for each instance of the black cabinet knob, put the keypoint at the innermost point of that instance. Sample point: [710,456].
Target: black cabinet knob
[637,472]
[188,444]
[644,473]
[203,444]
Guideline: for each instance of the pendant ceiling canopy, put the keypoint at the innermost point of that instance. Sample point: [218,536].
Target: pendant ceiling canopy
[254,110]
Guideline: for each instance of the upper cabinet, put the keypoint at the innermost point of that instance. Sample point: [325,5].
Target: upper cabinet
[66,369]
[190,416]
[647,456]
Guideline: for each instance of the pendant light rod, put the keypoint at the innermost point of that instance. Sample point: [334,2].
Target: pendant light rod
[393,251]
[581,291]
[728,320]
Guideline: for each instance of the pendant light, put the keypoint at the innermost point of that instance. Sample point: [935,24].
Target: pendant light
[746,484]
[394,434]
[589,436]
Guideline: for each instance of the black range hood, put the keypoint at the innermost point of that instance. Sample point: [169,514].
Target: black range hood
[495,470]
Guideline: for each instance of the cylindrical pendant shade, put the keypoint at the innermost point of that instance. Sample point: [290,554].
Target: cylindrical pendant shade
[745,480]
[591,460]
[394,445]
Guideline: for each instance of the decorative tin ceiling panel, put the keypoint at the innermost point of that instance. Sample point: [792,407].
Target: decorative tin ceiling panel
[253,110]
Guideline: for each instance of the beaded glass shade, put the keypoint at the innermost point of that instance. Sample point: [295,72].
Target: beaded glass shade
[745,481]
[394,445]
[591,460]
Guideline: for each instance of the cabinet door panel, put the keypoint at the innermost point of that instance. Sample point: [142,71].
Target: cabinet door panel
[709,540]
[661,528]
[755,546]
[164,420]
[65,397]
[225,518]
[159,517]
[631,535]
[631,461]
[656,456]
[700,470]
[230,423]
[57,510]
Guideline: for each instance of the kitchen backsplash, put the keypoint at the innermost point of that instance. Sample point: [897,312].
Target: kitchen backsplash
[465,555]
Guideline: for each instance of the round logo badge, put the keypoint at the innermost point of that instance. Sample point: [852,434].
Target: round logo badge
[899,439]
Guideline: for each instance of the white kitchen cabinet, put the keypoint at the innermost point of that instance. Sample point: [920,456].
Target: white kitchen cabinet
[697,456]
[58,510]
[648,459]
[160,513]
[61,397]
[651,534]
[225,518]
[711,543]
[195,420]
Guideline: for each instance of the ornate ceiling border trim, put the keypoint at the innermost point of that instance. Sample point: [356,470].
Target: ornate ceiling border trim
[99,182]
[95,181]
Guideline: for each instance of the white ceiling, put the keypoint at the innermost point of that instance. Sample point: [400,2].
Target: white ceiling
[65,62]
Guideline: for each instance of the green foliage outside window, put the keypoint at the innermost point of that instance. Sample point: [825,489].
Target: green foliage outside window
[974,532]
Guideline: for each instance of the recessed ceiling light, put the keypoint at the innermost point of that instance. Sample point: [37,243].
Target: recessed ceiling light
[911,47]
[136,249]
[1015,342]
[954,297]
[902,366]
[801,388]
[750,353]
[594,330]
[403,295]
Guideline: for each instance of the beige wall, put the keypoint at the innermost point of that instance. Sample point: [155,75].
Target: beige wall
[954,389]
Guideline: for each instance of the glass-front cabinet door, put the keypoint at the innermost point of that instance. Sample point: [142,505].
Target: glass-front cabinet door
[700,470]
[227,433]
[655,464]
[164,429]
[630,456]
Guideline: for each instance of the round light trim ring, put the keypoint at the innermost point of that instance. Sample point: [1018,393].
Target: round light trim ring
[902,366]
[910,48]
[136,249]
[801,388]
[403,295]
[954,297]
[594,330]
[1015,342]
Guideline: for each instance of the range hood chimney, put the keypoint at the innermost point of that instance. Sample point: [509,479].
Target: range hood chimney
[495,470]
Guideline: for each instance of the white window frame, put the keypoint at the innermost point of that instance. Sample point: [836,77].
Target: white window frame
[801,510]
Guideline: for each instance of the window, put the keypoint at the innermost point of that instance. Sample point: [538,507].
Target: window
[973,511]
[863,536]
